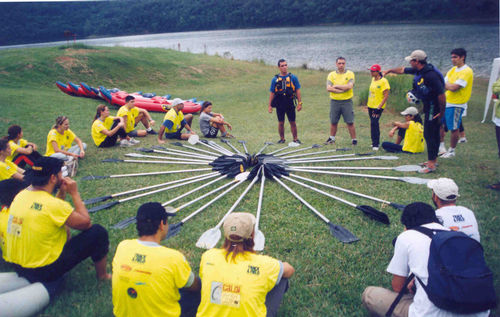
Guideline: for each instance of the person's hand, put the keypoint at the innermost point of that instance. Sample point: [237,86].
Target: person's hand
[121,124]
[229,126]
[411,286]
[391,133]
[82,154]
[33,146]
[152,122]
[270,109]
[192,132]
[161,141]
[299,106]
[385,72]
[69,186]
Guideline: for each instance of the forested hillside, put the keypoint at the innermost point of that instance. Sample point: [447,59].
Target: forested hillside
[51,21]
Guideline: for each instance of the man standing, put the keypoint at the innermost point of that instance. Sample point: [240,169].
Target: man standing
[132,116]
[340,84]
[285,87]
[150,279]
[38,239]
[428,86]
[457,218]
[458,85]
[174,121]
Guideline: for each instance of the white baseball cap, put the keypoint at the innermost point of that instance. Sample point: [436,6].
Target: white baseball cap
[177,101]
[445,188]
[418,55]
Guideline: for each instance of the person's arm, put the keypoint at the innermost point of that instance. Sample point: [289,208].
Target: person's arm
[397,282]
[299,100]
[160,134]
[397,70]
[30,147]
[346,87]
[79,219]
[147,115]
[386,96]
[452,87]
[58,150]
[18,176]
[402,125]
[186,125]
[288,270]
[114,130]
[271,97]
[196,286]
[80,145]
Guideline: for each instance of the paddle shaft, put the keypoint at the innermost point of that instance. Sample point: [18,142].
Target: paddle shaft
[338,159]
[185,154]
[261,197]
[162,162]
[297,150]
[348,174]
[309,154]
[189,203]
[200,150]
[160,173]
[320,157]
[232,146]
[193,190]
[167,158]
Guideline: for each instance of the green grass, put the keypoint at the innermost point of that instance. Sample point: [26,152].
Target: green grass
[330,276]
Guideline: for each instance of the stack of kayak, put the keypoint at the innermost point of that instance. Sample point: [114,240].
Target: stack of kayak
[116,97]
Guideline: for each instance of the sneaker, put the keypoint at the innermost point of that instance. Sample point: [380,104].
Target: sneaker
[297,141]
[426,170]
[71,167]
[375,148]
[442,150]
[448,154]
[134,141]
[281,141]
[354,142]
[462,140]
[151,132]
[329,141]
[125,143]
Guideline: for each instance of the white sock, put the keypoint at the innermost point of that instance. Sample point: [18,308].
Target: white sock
[149,129]
[451,149]
[332,137]
[441,144]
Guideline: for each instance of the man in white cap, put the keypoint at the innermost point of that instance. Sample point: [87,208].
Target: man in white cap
[428,86]
[238,282]
[174,121]
[457,218]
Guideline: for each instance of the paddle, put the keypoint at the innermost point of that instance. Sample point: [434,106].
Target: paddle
[215,145]
[164,150]
[195,148]
[195,139]
[291,144]
[347,159]
[230,145]
[266,144]
[337,231]
[174,229]
[310,159]
[137,155]
[115,160]
[367,210]
[315,153]
[395,205]
[209,238]
[94,177]
[402,168]
[314,146]
[259,239]
[244,143]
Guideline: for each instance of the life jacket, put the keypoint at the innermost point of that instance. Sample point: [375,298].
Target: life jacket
[284,86]
[420,90]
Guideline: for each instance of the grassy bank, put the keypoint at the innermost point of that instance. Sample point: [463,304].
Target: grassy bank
[330,276]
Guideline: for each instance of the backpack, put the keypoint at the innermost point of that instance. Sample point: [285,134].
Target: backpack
[459,279]
[284,86]
[420,90]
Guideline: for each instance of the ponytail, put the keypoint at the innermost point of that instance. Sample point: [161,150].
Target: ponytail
[99,110]
[13,132]
[59,121]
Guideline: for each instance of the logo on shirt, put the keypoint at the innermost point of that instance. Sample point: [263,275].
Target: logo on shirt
[458,218]
[253,270]
[132,293]
[139,258]
[225,294]
[37,206]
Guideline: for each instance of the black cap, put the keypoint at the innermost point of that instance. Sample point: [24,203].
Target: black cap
[44,167]
[152,211]
[9,188]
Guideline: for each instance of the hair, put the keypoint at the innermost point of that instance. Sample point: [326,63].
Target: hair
[59,121]
[205,105]
[44,180]
[338,58]
[236,248]
[100,108]
[128,98]
[3,143]
[460,52]
[417,118]
[9,188]
[281,61]
[416,214]
[13,132]
[149,227]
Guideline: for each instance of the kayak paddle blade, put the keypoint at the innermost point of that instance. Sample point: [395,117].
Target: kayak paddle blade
[93,177]
[259,241]
[398,206]
[415,180]
[173,230]
[105,206]
[374,214]
[209,238]
[159,147]
[145,150]
[96,200]
[342,233]
[364,154]
[407,168]
[386,157]
[177,144]
[315,146]
[111,160]
[344,149]
[124,223]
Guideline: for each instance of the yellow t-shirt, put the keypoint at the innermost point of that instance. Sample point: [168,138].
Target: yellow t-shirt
[98,126]
[176,118]
[234,289]
[4,218]
[414,138]
[7,169]
[335,78]
[131,115]
[64,140]
[146,279]
[13,148]
[35,232]
[464,77]
[376,95]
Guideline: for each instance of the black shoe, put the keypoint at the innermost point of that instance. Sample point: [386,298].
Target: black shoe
[297,141]
[354,142]
[329,141]
[151,131]
[281,141]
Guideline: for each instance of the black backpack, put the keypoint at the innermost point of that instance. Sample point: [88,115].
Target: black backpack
[459,279]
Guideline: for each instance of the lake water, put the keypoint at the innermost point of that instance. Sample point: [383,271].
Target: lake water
[318,46]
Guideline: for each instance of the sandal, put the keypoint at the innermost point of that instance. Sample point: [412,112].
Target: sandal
[494,186]
[426,170]
[424,164]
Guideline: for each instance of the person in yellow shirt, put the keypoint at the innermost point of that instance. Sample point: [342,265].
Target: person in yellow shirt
[60,140]
[458,86]
[411,131]
[237,282]
[106,129]
[132,115]
[340,84]
[23,152]
[148,278]
[174,121]
[377,98]
[38,241]
[7,168]
[9,188]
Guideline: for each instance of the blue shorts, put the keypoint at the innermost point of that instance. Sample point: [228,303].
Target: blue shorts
[453,117]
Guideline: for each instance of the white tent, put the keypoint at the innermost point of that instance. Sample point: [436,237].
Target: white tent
[495,69]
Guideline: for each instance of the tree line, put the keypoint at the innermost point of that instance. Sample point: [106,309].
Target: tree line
[51,21]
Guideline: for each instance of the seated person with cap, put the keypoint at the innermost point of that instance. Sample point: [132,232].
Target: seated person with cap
[38,242]
[412,131]
[150,279]
[174,121]
[238,282]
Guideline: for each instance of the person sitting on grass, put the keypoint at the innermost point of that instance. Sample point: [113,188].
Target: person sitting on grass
[23,152]
[411,130]
[238,282]
[148,278]
[38,240]
[132,115]
[211,122]
[60,140]
[106,129]
[174,121]
[7,168]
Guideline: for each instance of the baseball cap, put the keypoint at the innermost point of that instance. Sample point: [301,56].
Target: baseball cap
[418,55]
[43,168]
[445,188]
[375,68]
[152,211]
[177,101]
[239,224]
[411,111]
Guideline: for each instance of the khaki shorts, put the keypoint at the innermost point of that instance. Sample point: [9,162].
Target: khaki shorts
[377,300]
[342,108]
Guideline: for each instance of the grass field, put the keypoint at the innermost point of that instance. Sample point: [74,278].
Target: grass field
[330,276]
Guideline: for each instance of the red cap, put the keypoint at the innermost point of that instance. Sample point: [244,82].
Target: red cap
[375,68]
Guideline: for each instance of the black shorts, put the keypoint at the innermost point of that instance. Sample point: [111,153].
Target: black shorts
[289,110]
[212,133]
[175,135]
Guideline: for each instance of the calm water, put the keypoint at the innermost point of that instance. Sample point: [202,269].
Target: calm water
[318,46]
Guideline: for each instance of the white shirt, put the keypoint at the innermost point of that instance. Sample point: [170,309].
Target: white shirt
[459,218]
